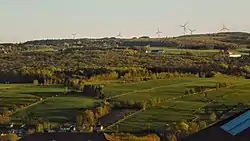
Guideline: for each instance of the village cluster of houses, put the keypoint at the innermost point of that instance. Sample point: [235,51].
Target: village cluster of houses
[22,129]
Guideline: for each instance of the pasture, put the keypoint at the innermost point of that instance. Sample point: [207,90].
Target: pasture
[25,99]
[164,88]
[184,108]
[59,109]
[14,96]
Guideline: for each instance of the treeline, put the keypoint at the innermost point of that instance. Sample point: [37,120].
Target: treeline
[178,131]
[79,76]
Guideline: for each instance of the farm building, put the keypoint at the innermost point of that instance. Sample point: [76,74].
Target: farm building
[67,128]
[158,51]
[235,128]
[19,130]
[232,55]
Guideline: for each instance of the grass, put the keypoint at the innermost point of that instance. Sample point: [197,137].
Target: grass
[58,109]
[54,109]
[161,88]
[159,115]
[180,109]
[16,95]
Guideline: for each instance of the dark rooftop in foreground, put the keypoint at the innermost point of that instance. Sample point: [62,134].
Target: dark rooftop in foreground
[65,136]
[235,128]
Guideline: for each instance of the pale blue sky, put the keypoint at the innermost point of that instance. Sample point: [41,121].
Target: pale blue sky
[22,20]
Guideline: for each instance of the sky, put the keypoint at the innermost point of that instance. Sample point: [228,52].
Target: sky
[22,20]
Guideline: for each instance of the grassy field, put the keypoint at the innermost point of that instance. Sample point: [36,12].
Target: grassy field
[168,88]
[63,108]
[16,95]
[55,107]
[58,109]
[185,108]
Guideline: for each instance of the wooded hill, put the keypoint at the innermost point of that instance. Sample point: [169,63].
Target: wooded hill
[228,40]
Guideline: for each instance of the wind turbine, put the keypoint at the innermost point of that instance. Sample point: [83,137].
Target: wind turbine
[191,31]
[184,27]
[74,35]
[119,34]
[224,28]
[158,32]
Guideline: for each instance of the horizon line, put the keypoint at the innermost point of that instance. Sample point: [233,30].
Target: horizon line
[124,37]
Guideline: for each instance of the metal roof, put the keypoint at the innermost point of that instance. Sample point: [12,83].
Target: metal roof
[238,124]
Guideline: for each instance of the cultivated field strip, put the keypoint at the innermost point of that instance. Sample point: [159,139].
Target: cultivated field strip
[173,111]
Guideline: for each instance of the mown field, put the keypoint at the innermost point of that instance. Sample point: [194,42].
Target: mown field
[13,96]
[60,109]
[54,107]
[185,108]
[167,88]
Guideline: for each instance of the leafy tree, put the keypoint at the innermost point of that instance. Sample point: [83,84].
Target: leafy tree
[212,117]
[202,124]
[193,127]
[183,126]
[39,128]
[89,117]
[9,137]
[171,137]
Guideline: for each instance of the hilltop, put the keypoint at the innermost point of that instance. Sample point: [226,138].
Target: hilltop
[223,40]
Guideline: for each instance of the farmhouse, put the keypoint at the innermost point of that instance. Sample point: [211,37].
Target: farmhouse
[235,128]
[65,136]
[232,55]
[19,130]
[67,128]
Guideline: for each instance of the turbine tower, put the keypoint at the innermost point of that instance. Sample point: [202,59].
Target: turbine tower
[74,35]
[184,27]
[191,31]
[119,34]
[158,32]
[224,28]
